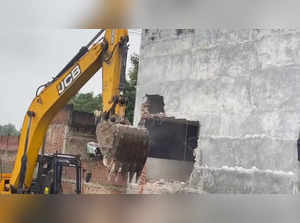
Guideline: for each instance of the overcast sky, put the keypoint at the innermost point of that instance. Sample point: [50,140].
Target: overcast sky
[31,57]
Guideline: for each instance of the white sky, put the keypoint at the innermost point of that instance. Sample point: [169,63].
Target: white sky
[31,57]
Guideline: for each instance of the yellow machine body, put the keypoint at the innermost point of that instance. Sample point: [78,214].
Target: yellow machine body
[56,94]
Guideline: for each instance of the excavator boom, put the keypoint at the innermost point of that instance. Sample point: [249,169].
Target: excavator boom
[55,95]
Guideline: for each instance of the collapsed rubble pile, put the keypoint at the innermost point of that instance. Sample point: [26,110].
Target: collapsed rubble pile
[145,113]
[156,186]
[161,187]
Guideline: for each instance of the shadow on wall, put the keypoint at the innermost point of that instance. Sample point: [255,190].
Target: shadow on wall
[172,141]
[298,147]
[171,138]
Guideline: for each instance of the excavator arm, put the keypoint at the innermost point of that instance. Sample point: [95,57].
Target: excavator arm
[104,52]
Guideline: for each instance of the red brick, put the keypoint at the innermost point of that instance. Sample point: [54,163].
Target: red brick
[9,143]
[63,117]
[55,138]
[69,132]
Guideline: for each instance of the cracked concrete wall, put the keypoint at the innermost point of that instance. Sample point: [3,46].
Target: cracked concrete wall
[243,86]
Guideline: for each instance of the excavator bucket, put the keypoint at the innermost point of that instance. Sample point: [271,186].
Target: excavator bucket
[124,148]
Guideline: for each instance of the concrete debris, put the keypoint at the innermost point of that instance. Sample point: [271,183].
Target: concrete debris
[145,113]
[124,148]
[243,87]
[255,169]
[245,181]
[161,187]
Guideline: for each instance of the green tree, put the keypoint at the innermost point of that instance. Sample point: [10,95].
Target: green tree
[130,90]
[87,102]
[8,129]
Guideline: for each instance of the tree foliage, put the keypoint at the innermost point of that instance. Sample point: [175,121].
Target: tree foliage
[87,102]
[8,129]
[130,91]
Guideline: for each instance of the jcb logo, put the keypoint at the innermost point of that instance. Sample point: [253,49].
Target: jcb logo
[67,81]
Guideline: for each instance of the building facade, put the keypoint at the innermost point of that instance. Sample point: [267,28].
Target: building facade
[243,87]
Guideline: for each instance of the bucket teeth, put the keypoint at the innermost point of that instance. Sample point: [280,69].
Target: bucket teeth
[124,170]
[131,175]
[132,171]
[116,167]
[139,170]
[127,145]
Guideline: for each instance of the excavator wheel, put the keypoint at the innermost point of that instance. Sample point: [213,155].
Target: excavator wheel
[124,148]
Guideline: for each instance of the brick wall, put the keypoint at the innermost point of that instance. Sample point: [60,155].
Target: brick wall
[7,160]
[69,132]
[57,130]
[55,138]
[99,183]
[8,151]
[88,188]
[64,116]
[9,143]
[75,142]
[83,121]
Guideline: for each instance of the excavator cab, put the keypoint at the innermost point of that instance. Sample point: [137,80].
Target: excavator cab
[50,172]
[124,147]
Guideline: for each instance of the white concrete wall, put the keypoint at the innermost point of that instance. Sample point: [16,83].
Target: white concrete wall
[244,87]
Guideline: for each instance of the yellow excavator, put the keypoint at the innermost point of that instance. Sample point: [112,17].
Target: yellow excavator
[124,147]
